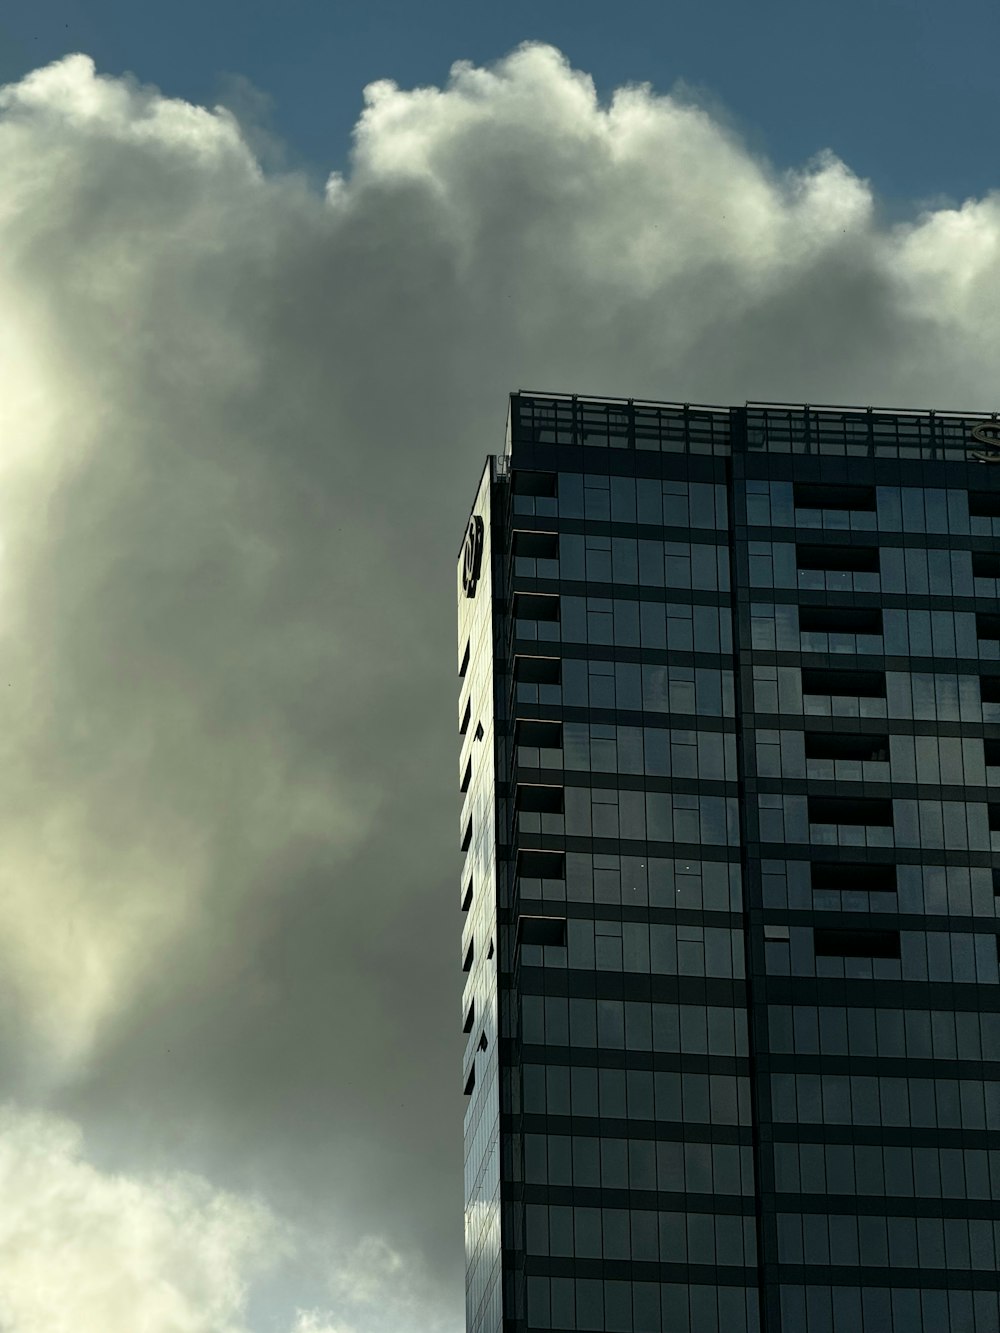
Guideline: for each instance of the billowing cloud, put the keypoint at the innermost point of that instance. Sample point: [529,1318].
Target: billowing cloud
[371,1288]
[241,422]
[84,1252]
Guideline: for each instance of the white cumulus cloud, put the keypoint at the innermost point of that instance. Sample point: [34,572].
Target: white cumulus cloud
[86,1252]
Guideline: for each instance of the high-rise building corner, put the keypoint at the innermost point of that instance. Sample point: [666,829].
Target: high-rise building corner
[729,715]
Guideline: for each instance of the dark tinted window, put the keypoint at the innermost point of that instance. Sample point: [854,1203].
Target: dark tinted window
[833,943]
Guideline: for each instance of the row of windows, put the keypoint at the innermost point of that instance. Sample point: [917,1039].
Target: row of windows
[763,575]
[915,509]
[658,751]
[927,696]
[894,632]
[914,570]
[631,560]
[948,760]
[866,1099]
[933,890]
[677,626]
[701,691]
[955,825]
[649,949]
[638,1094]
[641,1307]
[896,1242]
[688,1029]
[656,881]
[545,617]
[642,1235]
[710,951]
[607,812]
[586,1162]
[920,956]
[786,627]
[910,509]
[838,641]
[818,1309]
[913,1034]
[805,885]
[662,503]
[902,1172]
[616,813]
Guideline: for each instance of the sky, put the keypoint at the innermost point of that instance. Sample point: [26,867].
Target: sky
[253,351]
[902,89]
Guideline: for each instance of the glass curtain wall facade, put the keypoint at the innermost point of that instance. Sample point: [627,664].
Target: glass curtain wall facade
[730,716]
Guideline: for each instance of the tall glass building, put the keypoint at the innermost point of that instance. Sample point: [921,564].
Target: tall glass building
[730,763]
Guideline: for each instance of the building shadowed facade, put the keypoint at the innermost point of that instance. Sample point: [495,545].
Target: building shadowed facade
[730,763]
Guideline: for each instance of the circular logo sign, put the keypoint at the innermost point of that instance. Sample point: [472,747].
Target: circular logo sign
[986,433]
[472,555]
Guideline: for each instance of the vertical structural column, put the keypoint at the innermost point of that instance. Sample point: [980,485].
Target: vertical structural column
[753,934]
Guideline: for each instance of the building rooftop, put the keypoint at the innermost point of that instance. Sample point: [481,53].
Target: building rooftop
[801,428]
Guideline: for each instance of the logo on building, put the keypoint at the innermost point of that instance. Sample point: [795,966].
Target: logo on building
[472,556]
[986,433]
